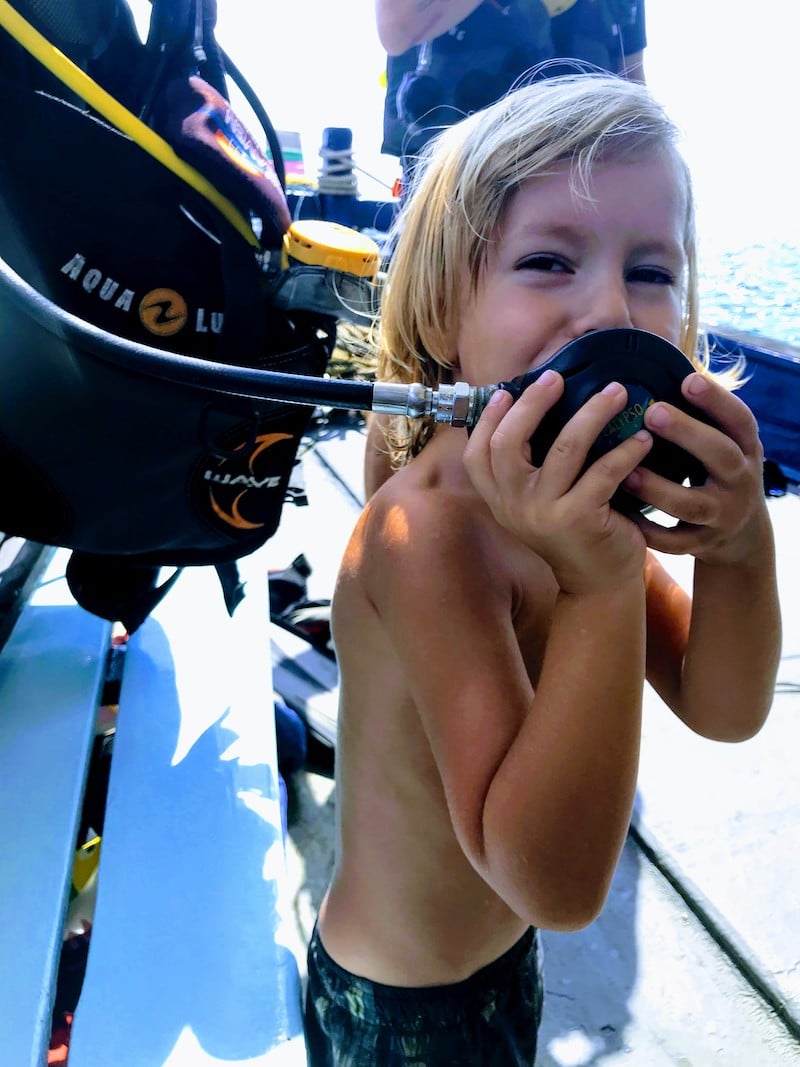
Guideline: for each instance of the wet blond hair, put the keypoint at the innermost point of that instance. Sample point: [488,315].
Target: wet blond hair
[462,189]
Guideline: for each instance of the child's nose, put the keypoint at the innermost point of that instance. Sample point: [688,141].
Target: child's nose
[606,308]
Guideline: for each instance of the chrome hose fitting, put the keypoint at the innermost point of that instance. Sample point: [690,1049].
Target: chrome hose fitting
[453,405]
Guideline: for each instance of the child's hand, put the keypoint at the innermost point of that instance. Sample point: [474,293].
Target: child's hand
[722,521]
[561,514]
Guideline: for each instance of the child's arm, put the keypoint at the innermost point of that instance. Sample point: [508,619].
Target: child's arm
[539,786]
[714,660]
[538,783]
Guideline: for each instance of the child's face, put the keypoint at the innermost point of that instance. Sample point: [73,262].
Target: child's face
[564,265]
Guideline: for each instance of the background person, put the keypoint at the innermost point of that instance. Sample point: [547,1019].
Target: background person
[475,53]
[446,60]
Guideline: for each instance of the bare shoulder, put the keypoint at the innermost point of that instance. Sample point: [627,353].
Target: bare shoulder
[414,534]
[430,560]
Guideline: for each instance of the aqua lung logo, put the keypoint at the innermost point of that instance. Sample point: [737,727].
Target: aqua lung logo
[163,312]
[241,486]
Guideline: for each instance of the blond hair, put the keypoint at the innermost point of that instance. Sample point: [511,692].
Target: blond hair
[462,189]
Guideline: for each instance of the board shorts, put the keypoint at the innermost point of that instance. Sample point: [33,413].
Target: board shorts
[490,1019]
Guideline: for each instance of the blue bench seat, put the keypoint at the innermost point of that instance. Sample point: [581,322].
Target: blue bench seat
[188,962]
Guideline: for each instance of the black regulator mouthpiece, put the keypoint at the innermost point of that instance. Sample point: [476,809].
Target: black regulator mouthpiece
[649,368]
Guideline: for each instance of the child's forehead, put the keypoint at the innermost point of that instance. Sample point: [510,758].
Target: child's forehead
[579,171]
[656,173]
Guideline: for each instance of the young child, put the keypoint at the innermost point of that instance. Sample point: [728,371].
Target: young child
[494,622]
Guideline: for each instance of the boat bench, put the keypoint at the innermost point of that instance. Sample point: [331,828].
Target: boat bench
[187,962]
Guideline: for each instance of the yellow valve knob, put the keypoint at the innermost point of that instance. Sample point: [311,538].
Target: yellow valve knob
[328,244]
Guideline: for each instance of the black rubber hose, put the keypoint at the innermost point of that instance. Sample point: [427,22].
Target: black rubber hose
[181,369]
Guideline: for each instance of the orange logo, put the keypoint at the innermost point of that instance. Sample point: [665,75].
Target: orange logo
[237,485]
[163,312]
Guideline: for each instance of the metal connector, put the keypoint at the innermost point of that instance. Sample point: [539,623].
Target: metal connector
[413,401]
[460,404]
[453,405]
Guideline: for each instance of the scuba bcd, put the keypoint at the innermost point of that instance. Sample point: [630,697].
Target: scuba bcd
[136,208]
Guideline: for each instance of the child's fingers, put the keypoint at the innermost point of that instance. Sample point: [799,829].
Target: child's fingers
[499,449]
[726,410]
[492,415]
[680,540]
[497,458]
[566,457]
[721,455]
[728,447]
[512,438]
[608,472]
[504,429]
[477,454]
[692,505]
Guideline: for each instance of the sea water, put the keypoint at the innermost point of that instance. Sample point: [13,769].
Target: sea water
[755,288]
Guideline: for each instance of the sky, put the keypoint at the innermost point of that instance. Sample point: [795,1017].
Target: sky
[726,72]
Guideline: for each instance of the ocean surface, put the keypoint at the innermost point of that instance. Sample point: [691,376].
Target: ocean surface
[754,287]
[726,73]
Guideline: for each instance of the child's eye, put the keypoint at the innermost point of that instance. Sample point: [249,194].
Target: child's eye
[545,262]
[651,275]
